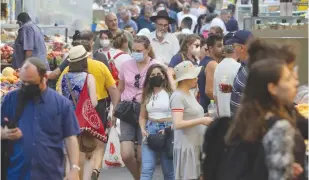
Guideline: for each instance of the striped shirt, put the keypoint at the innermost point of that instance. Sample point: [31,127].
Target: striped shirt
[238,88]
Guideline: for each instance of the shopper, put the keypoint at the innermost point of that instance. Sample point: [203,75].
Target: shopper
[186,13]
[186,25]
[162,5]
[224,76]
[190,50]
[144,21]
[165,44]
[270,88]
[130,29]
[215,30]
[71,85]
[111,21]
[175,5]
[155,117]
[29,42]
[105,87]
[86,39]
[189,123]
[125,16]
[132,76]
[47,119]
[201,21]
[231,24]
[113,48]
[240,42]
[221,20]
[206,78]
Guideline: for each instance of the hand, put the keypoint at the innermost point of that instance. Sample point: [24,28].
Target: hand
[114,120]
[206,121]
[72,175]
[144,132]
[297,169]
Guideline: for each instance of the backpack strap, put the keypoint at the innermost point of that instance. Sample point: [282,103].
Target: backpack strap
[119,54]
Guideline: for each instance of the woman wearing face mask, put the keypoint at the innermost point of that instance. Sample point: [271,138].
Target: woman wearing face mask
[113,48]
[131,78]
[155,116]
[189,50]
[189,123]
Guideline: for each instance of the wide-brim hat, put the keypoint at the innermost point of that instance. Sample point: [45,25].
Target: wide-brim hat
[78,53]
[162,14]
[186,70]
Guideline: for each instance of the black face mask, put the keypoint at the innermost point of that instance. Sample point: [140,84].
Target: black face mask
[156,81]
[30,91]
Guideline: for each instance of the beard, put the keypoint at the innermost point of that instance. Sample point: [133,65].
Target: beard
[161,34]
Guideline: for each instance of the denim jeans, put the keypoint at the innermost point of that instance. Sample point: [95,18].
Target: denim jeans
[149,157]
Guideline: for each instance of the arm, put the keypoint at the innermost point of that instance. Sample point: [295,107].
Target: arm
[28,41]
[143,117]
[72,148]
[92,90]
[179,123]
[28,54]
[114,94]
[170,73]
[121,86]
[209,72]
[278,145]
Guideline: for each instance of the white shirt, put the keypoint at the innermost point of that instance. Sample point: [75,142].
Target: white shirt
[158,106]
[218,22]
[181,16]
[120,59]
[227,67]
[165,50]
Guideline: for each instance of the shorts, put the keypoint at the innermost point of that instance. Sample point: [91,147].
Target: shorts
[130,133]
[101,110]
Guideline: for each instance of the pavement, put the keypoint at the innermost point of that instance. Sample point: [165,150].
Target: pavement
[124,174]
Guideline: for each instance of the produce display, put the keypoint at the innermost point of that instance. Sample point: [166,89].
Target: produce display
[6,54]
[9,80]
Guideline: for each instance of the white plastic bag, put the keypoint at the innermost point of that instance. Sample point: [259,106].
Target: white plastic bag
[112,156]
[110,114]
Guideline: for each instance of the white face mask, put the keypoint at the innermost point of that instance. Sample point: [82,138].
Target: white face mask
[196,51]
[105,43]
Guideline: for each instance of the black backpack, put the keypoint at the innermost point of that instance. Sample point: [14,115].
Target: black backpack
[239,161]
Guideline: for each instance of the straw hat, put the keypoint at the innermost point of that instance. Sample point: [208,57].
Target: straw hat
[186,70]
[78,53]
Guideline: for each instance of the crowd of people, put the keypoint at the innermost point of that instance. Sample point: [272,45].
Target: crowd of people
[169,61]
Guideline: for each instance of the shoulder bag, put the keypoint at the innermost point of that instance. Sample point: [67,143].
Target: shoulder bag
[89,121]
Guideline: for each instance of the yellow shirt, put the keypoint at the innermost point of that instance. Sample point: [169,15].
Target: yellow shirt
[103,77]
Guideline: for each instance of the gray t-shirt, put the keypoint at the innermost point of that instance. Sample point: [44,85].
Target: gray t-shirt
[30,38]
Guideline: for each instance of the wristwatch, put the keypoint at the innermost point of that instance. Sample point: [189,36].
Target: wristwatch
[75,167]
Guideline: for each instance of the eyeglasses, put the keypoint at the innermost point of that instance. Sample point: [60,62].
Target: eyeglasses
[163,25]
[137,78]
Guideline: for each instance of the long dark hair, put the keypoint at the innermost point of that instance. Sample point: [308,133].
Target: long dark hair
[249,123]
[147,90]
[199,25]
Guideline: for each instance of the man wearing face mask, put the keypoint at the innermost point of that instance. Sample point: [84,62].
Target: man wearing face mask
[186,12]
[47,120]
[165,44]
[29,42]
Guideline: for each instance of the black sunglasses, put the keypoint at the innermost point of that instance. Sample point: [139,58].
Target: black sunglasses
[137,78]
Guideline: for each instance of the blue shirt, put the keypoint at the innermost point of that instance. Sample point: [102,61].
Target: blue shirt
[144,23]
[232,25]
[204,99]
[30,38]
[132,23]
[177,59]
[38,154]
[238,88]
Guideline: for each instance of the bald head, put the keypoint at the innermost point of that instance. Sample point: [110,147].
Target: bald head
[33,71]
[111,21]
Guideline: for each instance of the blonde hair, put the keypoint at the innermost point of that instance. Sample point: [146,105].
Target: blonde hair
[119,40]
[145,41]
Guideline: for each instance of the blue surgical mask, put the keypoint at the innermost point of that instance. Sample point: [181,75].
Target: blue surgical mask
[138,56]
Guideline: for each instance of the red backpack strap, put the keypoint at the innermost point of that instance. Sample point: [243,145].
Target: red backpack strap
[119,54]
[109,55]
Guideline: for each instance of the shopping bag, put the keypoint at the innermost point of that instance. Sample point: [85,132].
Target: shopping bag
[112,156]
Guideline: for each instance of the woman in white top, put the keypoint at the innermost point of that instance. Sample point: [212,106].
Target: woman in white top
[155,116]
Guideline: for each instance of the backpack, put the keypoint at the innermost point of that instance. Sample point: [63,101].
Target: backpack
[239,161]
[111,63]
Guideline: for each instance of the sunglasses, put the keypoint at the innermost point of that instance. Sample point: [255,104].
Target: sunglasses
[137,78]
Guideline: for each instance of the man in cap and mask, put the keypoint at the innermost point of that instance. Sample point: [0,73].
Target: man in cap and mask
[29,42]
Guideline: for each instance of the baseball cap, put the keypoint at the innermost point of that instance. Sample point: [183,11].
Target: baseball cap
[240,37]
